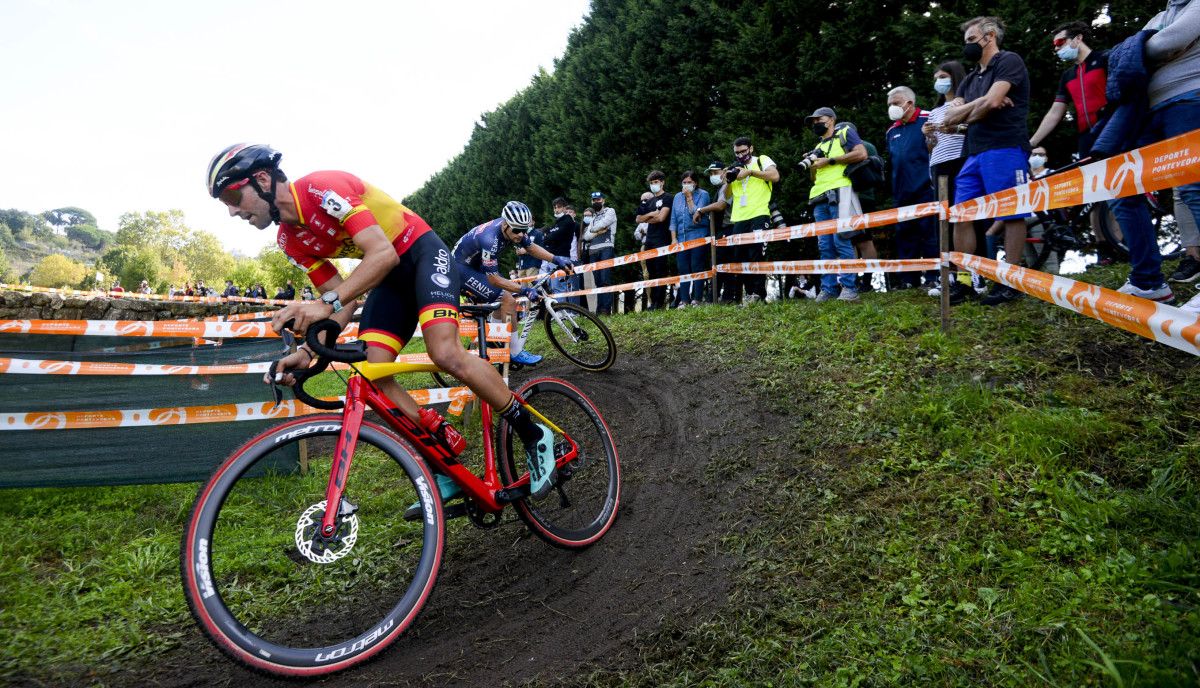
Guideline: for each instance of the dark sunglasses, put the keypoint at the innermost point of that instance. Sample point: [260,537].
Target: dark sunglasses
[232,195]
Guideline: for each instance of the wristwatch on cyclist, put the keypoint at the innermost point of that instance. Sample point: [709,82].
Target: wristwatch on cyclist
[331,298]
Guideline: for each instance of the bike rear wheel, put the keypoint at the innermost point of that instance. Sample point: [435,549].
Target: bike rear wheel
[1162,217]
[276,598]
[581,337]
[584,504]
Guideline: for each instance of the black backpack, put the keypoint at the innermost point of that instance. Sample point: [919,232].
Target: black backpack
[866,175]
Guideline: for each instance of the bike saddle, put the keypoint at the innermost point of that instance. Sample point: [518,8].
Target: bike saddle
[480,308]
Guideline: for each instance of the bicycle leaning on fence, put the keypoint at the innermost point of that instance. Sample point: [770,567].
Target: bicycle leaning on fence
[285,585]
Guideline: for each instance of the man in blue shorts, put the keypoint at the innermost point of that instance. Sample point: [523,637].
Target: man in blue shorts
[994,109]
[478,256]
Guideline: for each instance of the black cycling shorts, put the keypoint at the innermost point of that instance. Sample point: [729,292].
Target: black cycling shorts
[475,285]
[423,288]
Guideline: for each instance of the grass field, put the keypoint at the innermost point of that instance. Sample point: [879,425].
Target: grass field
[1014,503]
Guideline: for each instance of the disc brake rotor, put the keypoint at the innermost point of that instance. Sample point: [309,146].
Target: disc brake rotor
[319,549]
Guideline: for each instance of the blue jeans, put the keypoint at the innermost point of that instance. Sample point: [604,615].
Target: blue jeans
[689,261]
[833,246]
[1172,118]
[603,279]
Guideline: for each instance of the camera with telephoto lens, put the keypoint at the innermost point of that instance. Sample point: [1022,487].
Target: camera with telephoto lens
[776,216]
[731,172]
[807,161]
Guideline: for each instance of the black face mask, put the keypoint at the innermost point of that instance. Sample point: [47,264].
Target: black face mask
[973,52]
[819,128]
[597,206]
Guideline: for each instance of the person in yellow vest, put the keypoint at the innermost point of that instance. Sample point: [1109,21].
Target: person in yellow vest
[832,196]
[750,182]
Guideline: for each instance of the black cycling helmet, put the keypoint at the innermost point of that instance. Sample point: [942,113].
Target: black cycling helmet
[235,165]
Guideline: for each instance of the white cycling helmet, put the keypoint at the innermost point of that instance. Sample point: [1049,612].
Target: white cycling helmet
[517,215]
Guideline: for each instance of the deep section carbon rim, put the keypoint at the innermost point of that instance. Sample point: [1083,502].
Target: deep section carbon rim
[274,595]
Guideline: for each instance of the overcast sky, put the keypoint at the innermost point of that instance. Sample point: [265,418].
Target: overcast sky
[117,106]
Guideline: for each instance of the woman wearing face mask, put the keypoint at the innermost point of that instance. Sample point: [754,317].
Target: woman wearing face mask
[685,227]
[947,150]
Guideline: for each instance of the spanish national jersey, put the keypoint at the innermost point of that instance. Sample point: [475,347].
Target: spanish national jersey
[335,206]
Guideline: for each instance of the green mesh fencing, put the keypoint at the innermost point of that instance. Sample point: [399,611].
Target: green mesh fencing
[117,456]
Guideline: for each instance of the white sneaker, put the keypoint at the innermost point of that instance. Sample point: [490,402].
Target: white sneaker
[1162,293]
[681,306]
[977,284]
[936,290]
[1192,306]
[848,295]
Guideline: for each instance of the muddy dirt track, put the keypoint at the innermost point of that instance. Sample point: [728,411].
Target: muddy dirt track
[509,608]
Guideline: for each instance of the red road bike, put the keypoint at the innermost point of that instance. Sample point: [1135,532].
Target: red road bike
[286,585]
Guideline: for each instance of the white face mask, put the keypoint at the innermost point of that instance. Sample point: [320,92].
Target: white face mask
[895,113]
[689,187]
[655,187]
[716,179]
[587,219]
[1037,161]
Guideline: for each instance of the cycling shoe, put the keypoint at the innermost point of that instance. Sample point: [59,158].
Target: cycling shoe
[446,487]
[526,358]
[540,459]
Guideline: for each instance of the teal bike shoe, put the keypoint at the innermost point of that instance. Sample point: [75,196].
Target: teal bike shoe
[446,487]
[540,459]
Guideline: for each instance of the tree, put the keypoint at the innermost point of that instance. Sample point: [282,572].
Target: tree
[69,217]
[204,258]
[56,270]
[246,272]
[90,236]
[279,269]
[6,273]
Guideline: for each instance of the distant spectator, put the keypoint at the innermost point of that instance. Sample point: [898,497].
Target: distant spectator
[527,265]
[656,213]
[230,289]
[684,211]
[1174,98]
[188,290]
[306,294]
[831,196]
[1037,230]
[289,291]
[717,212]
[1188,269]
[558,240]
[910,181]
[598,238]
[116,286]
[202,290]
[751,183]
[947,153]
[995,97]
[260,292]
[1083,85]
[279,294]
[172,291]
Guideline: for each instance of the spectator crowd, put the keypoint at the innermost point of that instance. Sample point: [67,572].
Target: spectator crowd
[975,140]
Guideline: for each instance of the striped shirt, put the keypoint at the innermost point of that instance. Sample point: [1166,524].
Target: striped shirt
[949,146]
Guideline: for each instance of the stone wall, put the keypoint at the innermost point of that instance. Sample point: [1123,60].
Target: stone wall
[17,305]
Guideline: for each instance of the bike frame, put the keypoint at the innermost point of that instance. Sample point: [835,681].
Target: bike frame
[489,492]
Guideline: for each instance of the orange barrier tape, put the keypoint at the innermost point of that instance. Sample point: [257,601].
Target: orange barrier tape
[1165,324]
[843,224]
[819,267]
[34,366]
[660,282]
[630,258]
[189,415]
[187,328]
[1161,165]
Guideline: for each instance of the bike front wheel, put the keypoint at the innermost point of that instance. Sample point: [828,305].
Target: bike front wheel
[583,505]
[579,335]
[277,597]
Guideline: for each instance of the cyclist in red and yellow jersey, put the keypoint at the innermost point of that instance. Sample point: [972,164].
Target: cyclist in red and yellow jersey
[408,270]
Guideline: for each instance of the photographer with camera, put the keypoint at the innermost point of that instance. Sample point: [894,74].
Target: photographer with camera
[750,179]
[832,195]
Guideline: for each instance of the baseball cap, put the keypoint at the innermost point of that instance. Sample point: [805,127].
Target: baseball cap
[820,112]
[597,194]
[714,165]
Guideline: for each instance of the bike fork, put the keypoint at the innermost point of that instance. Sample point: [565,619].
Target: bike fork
[343,455]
